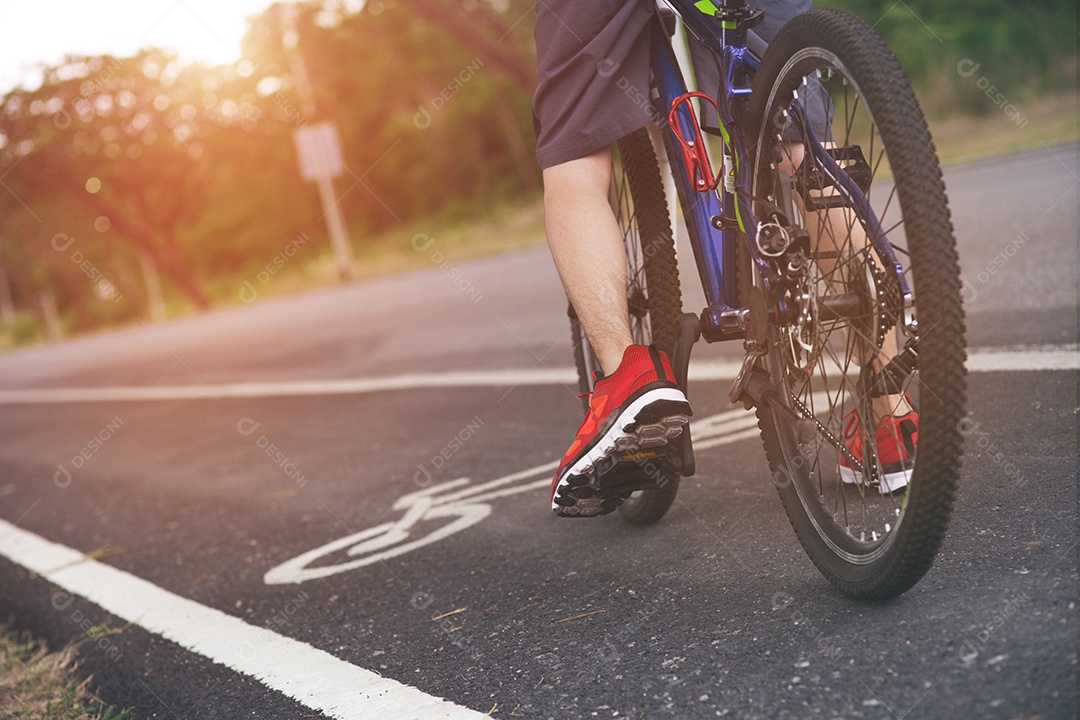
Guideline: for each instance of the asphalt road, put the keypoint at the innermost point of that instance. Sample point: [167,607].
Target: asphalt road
[216,461]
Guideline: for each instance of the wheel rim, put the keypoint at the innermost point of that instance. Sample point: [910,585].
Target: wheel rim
[826,383]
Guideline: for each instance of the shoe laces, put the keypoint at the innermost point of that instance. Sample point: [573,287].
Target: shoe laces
[597,376]
[851,424]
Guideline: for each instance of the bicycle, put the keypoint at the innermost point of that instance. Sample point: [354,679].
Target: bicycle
[824,244]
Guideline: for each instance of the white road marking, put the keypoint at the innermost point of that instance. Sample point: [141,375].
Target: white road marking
[348,386]
[310,676]
[452,508]
[1021,359]
[1038,357]
[455,505]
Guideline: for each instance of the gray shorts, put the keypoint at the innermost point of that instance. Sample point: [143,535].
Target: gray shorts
[592,71]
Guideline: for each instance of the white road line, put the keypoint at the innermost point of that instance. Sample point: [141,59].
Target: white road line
[310,676]
[347,386]
[1041,357]
[1021,359]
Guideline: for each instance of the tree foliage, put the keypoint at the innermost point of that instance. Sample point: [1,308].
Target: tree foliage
[1022,49]
[115,165]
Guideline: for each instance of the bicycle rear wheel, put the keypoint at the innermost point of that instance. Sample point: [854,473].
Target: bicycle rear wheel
[652,290]
[875,324]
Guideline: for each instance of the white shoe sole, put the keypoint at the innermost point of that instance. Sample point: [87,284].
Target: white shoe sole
[618,439]
[890,482]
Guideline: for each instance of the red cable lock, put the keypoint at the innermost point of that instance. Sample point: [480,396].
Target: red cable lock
[693,150]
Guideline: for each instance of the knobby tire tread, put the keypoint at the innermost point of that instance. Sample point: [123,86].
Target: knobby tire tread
[921,192]
[639,164]
[662,280]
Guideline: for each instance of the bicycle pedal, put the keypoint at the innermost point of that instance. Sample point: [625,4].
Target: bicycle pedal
[815,186]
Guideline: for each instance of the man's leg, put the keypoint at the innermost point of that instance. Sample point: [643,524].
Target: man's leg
[637,408]
[588,249]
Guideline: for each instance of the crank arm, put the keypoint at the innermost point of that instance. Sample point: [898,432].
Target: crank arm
[689,333]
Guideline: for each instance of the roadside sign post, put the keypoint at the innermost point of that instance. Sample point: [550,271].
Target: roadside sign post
[317,146]
[319,152]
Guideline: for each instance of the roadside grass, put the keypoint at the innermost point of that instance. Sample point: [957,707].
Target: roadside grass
[425,243]
[40,685]
[473,232]
[1046,121]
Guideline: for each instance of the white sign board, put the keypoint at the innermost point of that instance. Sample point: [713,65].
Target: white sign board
[319,151]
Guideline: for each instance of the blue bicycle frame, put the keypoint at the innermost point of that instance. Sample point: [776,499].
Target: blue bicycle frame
[717,219]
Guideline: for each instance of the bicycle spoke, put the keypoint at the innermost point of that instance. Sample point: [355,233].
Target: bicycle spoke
[843,352]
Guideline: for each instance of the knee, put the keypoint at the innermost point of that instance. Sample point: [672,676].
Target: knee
[582,175]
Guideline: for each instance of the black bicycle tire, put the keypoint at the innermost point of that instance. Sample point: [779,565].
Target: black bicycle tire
[576,336]
[639,164]
[928,229]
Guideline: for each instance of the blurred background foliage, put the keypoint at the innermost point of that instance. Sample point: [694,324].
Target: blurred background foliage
[135,187]
[1023,49]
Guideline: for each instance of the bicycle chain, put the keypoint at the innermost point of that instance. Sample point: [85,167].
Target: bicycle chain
[836,442]
[887,289]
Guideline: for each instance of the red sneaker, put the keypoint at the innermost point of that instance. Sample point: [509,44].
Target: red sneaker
[632,415]
[895,437]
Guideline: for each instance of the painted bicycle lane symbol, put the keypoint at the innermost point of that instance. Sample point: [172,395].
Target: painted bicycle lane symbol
[457,505]
[462,506]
